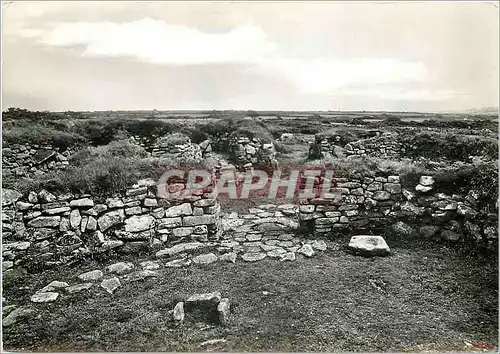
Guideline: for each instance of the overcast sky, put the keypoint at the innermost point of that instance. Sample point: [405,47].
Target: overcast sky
[296,56]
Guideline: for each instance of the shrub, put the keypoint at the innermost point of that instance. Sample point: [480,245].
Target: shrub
[37,134]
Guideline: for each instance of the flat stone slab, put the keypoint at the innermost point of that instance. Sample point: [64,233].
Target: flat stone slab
[368,245]
[45,297]
[120,267]
[110,285]
[182,247]
[205,258]
[306,250]
[253,257]
[78,287]
[204,299]
[93,275]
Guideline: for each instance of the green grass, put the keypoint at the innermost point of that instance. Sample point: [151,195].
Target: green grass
[428,298]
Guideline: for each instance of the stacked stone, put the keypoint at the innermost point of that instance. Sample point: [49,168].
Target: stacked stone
[350,196]
[56,229]
[381,201]
[29,160]
[178,146]
[252,150]
[385,146]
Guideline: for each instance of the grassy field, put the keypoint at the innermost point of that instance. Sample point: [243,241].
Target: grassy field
[420,298]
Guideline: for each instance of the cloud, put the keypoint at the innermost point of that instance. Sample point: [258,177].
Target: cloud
[154,41]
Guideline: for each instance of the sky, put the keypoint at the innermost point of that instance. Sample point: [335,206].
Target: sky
[394,56]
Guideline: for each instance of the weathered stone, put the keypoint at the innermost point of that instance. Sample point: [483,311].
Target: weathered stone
[205,202]
[181,247]
[206,299]
[422,188]
[96,210]
[182,231]
[369,245]
[407,194]
[110,285]
[10,196]
[276,253]
[223,310]
[32,197]
[253,257]
[45,221]
[18,314]
[16,246]
[306,250]
[400,228]
[111,218]
[150,203]
[375,186]
[426,180]
[114,203]
[23,205]
[289,256]
[120,267]
[429,230]
[228,257]
[199,220]
[46,197]
[393,188]
[319,245]
[178,313]
[393,179]
[139,223]
[450,235]
[53,286]
[110,244]
[136,210]
[465,210]
[178,263]
[205,258]
[93,275]
[253,237]
[82,203]
[91,224]
[78,287]
[382,195]
[136,191]
[169,222]
[44,297]
[179,210]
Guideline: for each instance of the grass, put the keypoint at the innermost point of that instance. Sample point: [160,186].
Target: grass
[419,298]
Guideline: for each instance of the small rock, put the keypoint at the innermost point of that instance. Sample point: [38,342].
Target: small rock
[223,310]
[204,299]
[120,267]
[422,188]
[178,263]
[253,257]
[369,245]
[289,256]
[426,180]
[45,297]
[17,315]
[78,287]
[111,284]
[53,286]
[93,275]
[178,313]
[205,258]
[228,257]
[150,265]
[319,245]
[306,250]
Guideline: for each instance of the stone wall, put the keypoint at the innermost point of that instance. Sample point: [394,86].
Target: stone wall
[43,229]
[385,146]
[174,145]
[24,160]
[252,150]
[380,204]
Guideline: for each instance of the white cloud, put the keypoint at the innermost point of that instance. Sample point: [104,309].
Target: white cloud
[154,41]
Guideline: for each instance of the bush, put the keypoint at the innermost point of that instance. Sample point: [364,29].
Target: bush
[100,176]
[448,146]
[41,135]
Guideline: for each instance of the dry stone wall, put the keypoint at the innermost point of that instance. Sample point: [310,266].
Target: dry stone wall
[44,229]
[384,146]
[366,205]
[25,160]
[252,150]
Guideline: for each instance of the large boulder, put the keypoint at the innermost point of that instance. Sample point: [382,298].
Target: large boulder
[368,245]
